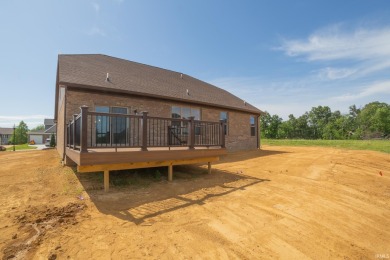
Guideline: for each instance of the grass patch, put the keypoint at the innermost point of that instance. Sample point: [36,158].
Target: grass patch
[21,147]
[374,145]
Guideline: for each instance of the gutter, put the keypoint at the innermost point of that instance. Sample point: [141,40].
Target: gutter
[95,88]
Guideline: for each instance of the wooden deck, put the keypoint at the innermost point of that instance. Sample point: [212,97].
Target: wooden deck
[105,142]
[132,158]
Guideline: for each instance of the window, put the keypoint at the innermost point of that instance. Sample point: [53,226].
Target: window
[114,131]
[224,116]
[119,125]
[252,125]
[185,112]
[102,126]
[179,129]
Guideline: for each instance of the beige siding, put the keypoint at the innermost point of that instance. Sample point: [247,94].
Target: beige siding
[61,127]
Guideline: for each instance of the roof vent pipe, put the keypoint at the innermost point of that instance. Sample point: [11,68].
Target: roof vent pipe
[188,92]
[108,77]
[181,75]
[244,103]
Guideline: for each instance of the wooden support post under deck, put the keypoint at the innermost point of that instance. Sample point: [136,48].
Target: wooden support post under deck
[106,180]
[170,172]
[209,167]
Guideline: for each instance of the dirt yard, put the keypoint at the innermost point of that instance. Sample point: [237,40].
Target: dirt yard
[281,202]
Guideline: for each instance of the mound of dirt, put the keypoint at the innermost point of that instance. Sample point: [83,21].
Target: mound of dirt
[34,223]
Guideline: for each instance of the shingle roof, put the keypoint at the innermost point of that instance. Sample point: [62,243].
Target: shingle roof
[52,129]
[6,131]
[90,70]
[47,121]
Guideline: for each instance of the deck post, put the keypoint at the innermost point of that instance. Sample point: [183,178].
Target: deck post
[170,172]
[222,133]
[191,126]
[144,131]
[74,131]
[84,130]
[106,180]
[209,167]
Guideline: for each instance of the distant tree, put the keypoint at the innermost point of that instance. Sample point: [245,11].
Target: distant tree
[38,128]
[270,125]
[318,119]
[287,129]
[302,129]
[374,120]
[52,141]
[371,121]
[20,136]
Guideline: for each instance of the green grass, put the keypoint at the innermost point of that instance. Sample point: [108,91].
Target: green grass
[374,145]
[21,147]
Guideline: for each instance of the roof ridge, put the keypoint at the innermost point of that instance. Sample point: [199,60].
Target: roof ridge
[140,63]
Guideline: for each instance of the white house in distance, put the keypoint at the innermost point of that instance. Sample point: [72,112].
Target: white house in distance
[5,135]
[39,137]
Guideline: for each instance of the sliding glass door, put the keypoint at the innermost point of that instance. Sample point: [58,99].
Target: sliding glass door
[102,127]
[111,130]
[119,126]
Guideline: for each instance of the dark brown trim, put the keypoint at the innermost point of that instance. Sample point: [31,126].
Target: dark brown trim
[258,134]
[102,158]
[257,131]
[110,90]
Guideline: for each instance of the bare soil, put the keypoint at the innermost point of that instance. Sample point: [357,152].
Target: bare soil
[279,202]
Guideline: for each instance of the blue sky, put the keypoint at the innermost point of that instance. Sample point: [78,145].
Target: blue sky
[281,56]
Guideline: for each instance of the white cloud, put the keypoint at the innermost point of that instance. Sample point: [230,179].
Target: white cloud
[298,95]
[342,68]
[377,88]
[31,120]
[96,31]
[336,73]
[333,44]
[96,6]
[367,49]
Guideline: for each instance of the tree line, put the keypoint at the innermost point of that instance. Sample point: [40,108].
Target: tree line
[369,122]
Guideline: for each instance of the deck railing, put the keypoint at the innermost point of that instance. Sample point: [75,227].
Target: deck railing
[93,130]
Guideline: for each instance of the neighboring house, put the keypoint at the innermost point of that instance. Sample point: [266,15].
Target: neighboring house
[187,120]
[39,137]
[5,135]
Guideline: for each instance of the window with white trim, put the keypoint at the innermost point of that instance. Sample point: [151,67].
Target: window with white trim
[224,117]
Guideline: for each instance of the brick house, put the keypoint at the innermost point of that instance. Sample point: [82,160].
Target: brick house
[186,118]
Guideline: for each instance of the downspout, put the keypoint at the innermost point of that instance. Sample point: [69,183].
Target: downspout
[65,128]
[258,132]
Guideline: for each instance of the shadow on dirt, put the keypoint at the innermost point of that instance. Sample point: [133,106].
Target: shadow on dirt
[248,155]
[144,196]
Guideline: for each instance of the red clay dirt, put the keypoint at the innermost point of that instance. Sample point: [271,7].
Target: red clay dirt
[279,202]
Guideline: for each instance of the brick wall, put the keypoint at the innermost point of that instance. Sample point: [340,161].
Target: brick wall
[238,137]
